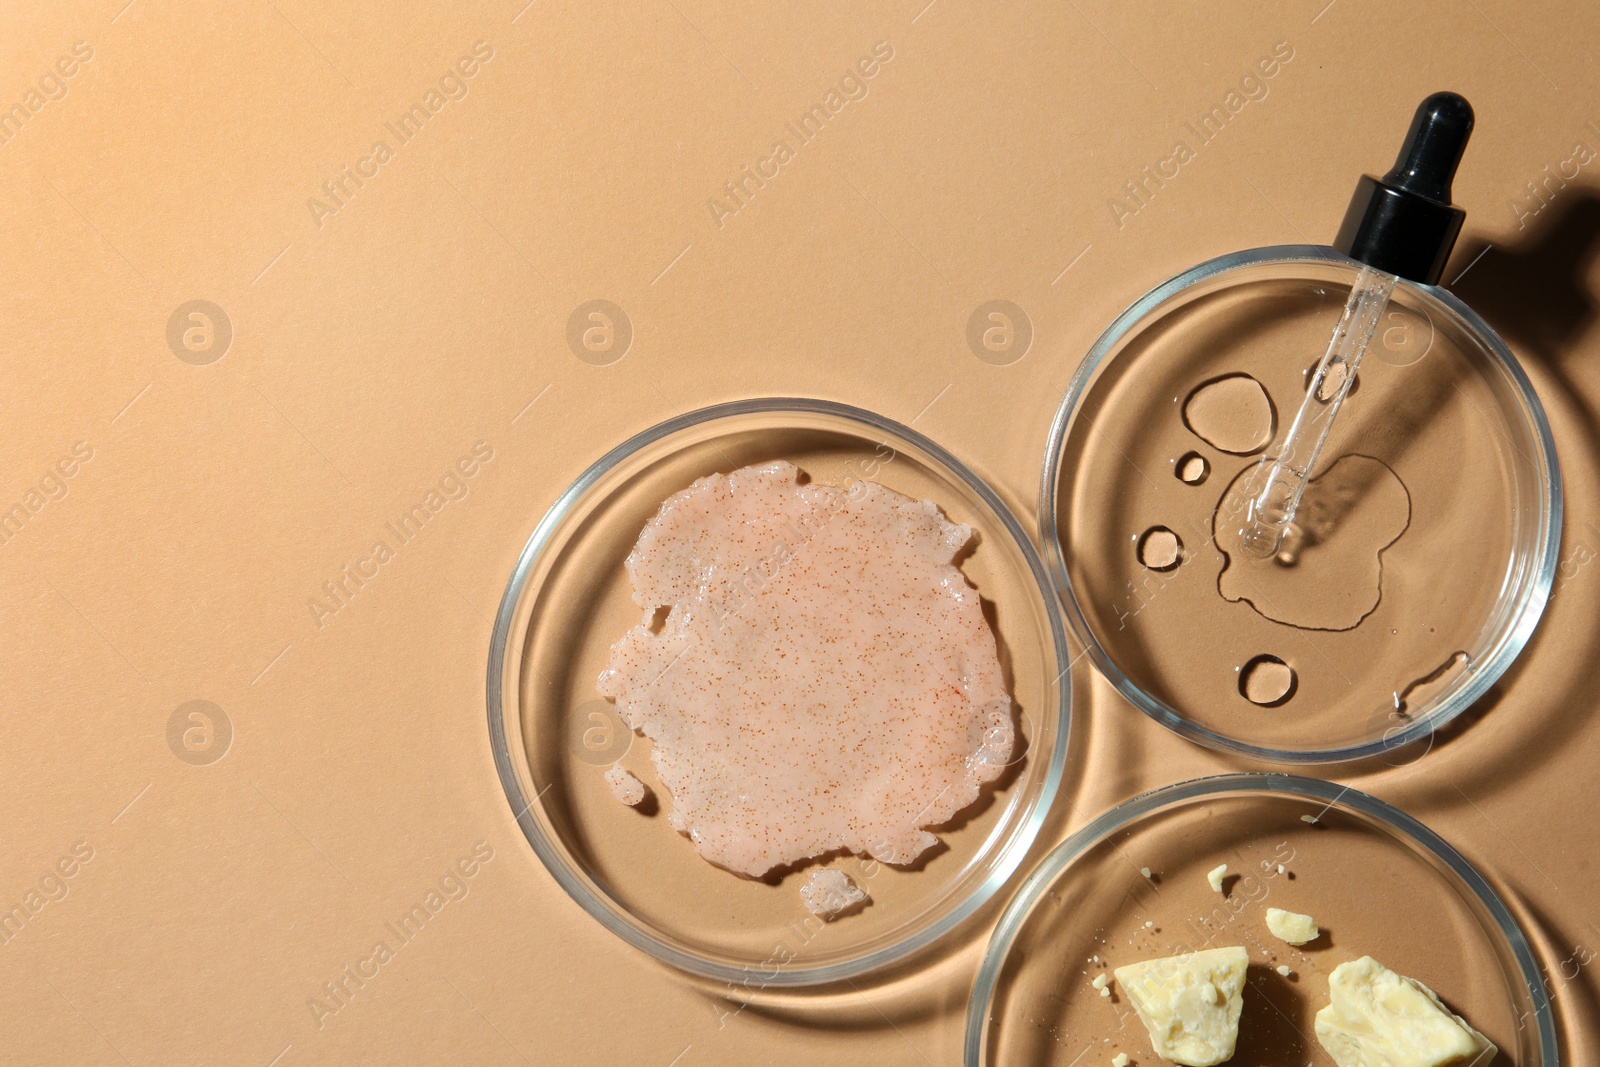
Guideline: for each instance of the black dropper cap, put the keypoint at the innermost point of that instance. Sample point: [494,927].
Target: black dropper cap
[1404,223]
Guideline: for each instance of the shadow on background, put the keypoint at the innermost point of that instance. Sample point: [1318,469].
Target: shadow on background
[1536,294]
[1570,967]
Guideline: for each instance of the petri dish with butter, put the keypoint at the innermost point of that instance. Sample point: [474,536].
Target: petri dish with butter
[1142,883]
[591,794]
[1423,549]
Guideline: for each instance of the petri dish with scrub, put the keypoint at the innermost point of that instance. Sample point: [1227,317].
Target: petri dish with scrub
[672,771]
[1302,504]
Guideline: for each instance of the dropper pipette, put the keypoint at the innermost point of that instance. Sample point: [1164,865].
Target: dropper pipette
[1402,226]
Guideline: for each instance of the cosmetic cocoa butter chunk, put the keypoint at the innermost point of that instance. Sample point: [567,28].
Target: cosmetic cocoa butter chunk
[1190,1004]
[1215,876]
[1378,1018]
[1291,927]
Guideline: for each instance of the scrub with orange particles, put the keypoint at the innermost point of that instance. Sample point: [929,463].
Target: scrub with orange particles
[814,671]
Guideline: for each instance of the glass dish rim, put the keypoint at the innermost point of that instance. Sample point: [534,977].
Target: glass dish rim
[1332,793]
[500,744]
[1512,643]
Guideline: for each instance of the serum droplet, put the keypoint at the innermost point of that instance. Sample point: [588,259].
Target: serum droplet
[1267,681]
[1160,549]
[1329,387]
[1232,413]
[1192,468]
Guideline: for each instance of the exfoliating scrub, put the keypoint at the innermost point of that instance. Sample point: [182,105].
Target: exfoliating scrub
[813,669]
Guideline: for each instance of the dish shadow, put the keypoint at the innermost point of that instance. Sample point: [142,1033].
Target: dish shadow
[1569,971]
[929,985]
[1573,984]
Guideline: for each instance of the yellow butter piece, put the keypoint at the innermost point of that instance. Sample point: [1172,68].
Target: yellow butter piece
[1190,1004]
[1378,1018]
[1291,926]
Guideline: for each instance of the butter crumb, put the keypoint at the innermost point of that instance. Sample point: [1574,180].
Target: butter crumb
[1312,819]
[1146,872]
[1120,1060]
[1281,969]
[1292,927]
[1100,981]
[1215,876]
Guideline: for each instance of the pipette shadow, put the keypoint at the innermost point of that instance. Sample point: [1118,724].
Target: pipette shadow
[1535,294]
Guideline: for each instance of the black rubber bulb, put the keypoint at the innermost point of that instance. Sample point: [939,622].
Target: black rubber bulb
[1427,162]
[1404,223]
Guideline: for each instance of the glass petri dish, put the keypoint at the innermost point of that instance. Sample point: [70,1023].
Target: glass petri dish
[569,599]
[1431,525]
[1377,881]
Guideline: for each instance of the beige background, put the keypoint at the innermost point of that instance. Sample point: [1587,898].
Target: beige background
[429,312]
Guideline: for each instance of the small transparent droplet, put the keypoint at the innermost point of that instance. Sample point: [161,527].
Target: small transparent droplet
[1267,681]
[1160,549]
[1291,544]
[1331,382]
[1192,468]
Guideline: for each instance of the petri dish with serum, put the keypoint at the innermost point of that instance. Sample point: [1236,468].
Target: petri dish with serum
[1307,890]
[1302,504]
[778,692]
